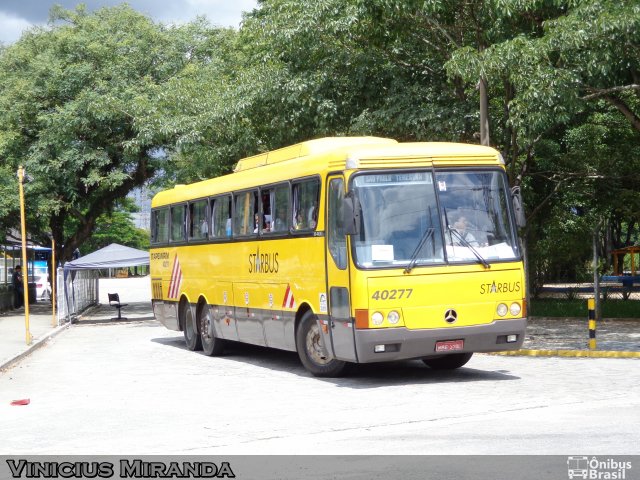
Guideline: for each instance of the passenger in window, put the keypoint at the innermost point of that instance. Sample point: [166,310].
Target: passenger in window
[268,224]
[280,224]
[204,228]
[256,223]
[299,222]
[312,215]
[228,227]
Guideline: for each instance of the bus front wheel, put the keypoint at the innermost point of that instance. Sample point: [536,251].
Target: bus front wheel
[311,352]
[448,362]
[211,345]
[191,337]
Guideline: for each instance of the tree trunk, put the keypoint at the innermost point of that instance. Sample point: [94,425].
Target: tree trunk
[484,112]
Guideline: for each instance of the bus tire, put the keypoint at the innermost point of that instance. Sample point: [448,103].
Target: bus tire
[191,337]
[311,352]
[211,345]
[448,362]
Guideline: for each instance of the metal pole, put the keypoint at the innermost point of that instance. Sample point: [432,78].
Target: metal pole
[53,280]
[596,277]
[592,323]
[25,276]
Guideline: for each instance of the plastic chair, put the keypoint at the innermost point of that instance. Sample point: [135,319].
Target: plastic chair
[114,301]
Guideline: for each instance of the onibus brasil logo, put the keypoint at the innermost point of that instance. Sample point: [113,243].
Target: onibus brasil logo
[597,469]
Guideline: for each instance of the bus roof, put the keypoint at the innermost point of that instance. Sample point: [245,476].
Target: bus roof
[309,148]
[327,154]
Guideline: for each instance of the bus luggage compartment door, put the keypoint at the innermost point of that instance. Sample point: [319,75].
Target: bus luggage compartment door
[223,305]
[247,313]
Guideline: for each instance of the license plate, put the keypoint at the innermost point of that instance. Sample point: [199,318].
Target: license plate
[449,345]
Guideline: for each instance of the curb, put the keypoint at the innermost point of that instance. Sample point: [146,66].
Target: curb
[34,346]
[569,353]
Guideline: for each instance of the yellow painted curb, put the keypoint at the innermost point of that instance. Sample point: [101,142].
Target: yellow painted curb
[569,353]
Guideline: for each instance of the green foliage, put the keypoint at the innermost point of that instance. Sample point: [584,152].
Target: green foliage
[116,227]
[72,98]
[351,68]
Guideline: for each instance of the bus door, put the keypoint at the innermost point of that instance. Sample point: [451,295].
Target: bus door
[341,323]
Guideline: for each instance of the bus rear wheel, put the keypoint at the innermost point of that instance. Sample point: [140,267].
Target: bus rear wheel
[311,352]
[448,362]
[191,337]
[211,345]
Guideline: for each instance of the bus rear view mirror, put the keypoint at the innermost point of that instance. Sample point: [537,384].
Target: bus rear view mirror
[351,215]
[518,208]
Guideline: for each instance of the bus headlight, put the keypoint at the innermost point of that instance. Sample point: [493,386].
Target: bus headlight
[501,310]
[393,317]
[515,309]
[377,318]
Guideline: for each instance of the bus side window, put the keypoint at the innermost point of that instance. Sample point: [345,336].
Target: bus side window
[159,226]
[305,204]
[221,217]
[276,208]
[178,227]
[198,225]
[265,209]
[246,205]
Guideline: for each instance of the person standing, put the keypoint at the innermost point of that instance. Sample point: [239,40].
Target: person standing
[18,287]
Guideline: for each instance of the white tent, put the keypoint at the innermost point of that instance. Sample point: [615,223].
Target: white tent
[111,256]
[77,297]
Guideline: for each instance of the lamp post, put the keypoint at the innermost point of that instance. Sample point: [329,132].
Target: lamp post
[25,275]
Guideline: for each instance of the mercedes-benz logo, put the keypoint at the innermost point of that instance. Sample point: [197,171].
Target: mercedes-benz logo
[450,315]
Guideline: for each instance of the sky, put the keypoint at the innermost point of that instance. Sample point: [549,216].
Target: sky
[18,15]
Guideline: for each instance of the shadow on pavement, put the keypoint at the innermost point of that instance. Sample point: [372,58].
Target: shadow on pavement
[372,375]
[104,314]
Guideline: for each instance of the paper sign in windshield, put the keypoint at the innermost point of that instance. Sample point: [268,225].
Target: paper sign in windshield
[382,253]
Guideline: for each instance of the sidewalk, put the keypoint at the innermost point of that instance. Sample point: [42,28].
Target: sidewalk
[13,344]
[573,334]
[136,292]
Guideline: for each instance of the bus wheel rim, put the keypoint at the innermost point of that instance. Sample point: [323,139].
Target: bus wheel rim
[314,346]
[206,325]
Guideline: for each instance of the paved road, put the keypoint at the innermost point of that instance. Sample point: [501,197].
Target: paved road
[132,388]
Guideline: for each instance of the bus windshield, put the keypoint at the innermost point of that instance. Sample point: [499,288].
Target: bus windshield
[422,218]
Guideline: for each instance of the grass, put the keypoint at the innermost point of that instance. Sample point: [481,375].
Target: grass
[553,307]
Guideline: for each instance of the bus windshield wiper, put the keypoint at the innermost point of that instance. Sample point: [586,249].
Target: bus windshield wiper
[469,246]
[428,233]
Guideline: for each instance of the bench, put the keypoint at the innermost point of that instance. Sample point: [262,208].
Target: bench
[114,301]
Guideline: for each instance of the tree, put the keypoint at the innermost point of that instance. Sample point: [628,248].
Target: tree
[556,91]
[583,51]
[202,111]
[116,227]
[72,97]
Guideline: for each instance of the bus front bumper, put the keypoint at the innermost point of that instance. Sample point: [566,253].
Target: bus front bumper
[402,343]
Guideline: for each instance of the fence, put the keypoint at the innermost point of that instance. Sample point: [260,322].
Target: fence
[609,290]
[75,293]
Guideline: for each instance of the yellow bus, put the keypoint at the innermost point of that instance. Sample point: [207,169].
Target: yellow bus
[345,250]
